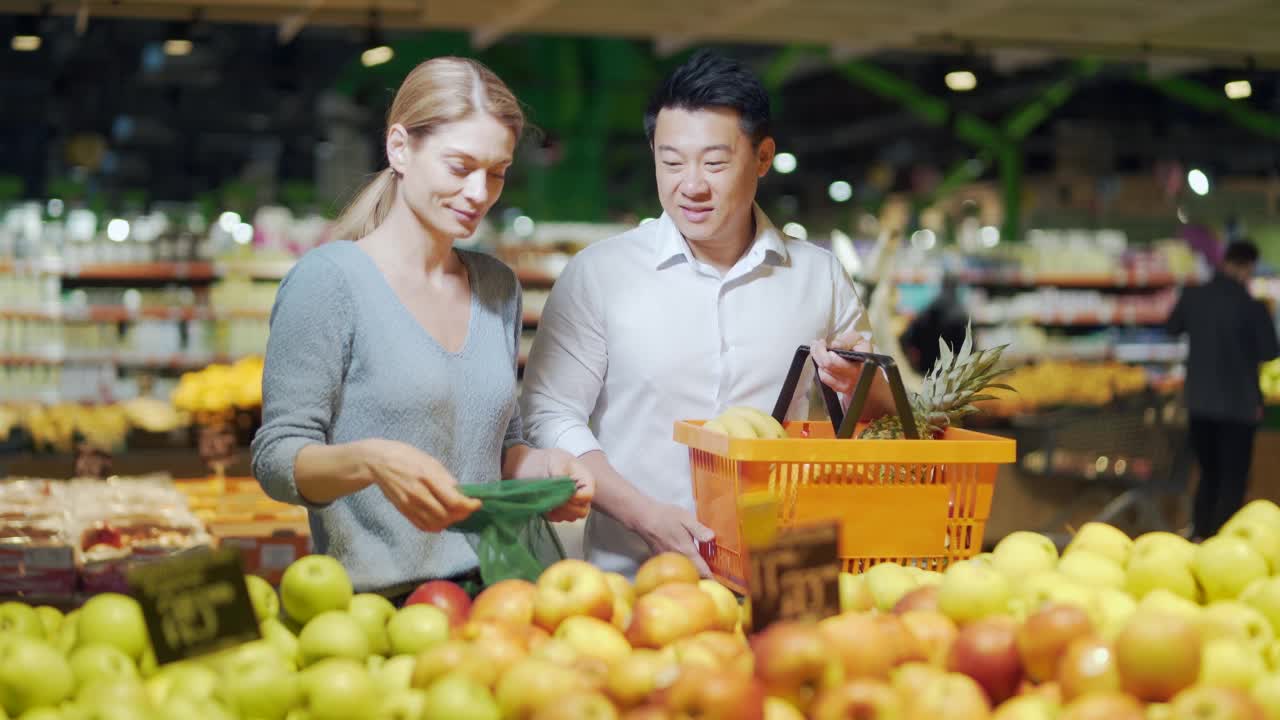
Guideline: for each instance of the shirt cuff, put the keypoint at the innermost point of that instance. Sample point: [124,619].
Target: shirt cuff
[288,449]
[578,440]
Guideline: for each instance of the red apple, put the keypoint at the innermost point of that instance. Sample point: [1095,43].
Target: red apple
[934,633]
[506,601]
[794,663]
[446,595]
[1044,636]
[924,597]
[1157,656]
[1088,666]
[708,694]
[1103,706]
[664,568]
[987,651]
[572,587]
[870,645]
[1205,702]
[863,699]
[952,696]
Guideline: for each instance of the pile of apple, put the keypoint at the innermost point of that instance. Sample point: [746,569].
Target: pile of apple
[1150,627]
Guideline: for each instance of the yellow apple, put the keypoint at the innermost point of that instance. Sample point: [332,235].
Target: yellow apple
[970,591]
[1225,565]
[1234,619]
[1266,692]
[1261,536]
[664,568]
[1102,539]
[1023,553]
[854,595]
[1227,662]
[1161,568]
[728,612]
[1263,595]
[594,637]
[1264,510]
[1162,542]
[888,582]
[571,587]
[1091,569]
[532,683]
[1115,608]
[1165,601]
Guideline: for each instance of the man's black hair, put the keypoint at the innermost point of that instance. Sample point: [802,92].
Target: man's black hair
[706,81]
[1241,252]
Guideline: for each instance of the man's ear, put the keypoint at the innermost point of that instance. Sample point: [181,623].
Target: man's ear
[398,148]
[764,156]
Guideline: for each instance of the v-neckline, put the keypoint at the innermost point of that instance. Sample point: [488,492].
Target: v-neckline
[471,301]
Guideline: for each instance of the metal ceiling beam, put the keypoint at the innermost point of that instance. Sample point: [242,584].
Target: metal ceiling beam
[739,16]
[1214,101]
[927,24]
[512,20]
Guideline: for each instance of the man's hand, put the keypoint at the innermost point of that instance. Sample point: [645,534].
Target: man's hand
[669,528]
[834,371]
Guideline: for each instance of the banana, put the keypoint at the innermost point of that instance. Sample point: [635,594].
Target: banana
[737,426]
[765,426]
[716,426]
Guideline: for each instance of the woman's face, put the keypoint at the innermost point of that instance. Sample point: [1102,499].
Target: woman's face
[452,176]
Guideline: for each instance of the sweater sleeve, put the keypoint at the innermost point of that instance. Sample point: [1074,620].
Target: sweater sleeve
[515,426]
[308,351]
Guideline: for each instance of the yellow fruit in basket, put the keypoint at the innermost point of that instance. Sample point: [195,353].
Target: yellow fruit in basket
[737,427]
[716,426]
[764,424]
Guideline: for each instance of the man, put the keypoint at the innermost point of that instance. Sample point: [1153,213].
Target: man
[1230,336]
[681,318]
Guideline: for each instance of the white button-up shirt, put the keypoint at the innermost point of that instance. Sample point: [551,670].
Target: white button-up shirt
[637,334]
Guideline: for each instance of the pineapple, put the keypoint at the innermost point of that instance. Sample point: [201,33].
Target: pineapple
[948,392]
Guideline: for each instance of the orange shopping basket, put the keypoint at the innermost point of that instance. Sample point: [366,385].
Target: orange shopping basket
[911,501]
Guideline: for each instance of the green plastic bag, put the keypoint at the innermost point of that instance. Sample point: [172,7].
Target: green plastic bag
[509,533]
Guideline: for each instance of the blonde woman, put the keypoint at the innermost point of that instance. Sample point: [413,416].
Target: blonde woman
[390,371]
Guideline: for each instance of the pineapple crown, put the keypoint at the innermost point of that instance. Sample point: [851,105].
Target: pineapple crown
[956,382]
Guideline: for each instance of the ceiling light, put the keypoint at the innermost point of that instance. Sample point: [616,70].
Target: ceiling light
[840,191]
[784,163]
[118,230]
[961,80]
[377,56]
[1198,182]
[25,43]
[177,47]
[1238,89]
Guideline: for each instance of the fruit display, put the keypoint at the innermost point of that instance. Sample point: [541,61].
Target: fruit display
[1055,383]
[220,388]
[1269,379]
[1112,627]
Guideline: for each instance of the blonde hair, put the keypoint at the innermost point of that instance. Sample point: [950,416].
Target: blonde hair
[439,91]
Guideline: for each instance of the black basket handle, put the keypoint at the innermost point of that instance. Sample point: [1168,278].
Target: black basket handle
[842,423]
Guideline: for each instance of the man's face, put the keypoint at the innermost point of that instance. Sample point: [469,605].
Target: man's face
[707,171]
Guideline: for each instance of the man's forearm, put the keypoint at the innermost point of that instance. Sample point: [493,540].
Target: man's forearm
[614,495]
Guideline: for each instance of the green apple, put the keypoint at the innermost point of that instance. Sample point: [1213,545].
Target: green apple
[1225,565]
[457,697]
[32,674]
[43,713]
[285,642]
[51,617]
[1082,596]
[1235,619]
[1261,536]
[854,594]
[1264,510]
[113,691]
[415,628]
[926,578]
[188,680]
[402,704]
[314,584]
[147,665]
[113,619]
[266,603]
[1102,539]
[1266,692]
[372,612]
[1115,608]
[68,632]
[1263,595]
[888,582]
[1034,589]
[1091,569]
[1022,553]
[1161,568]
[970,591]
[332,633]
[1162,600]
[93,662]
[1160,541]
[396,673]
[1272,656]
[1227,662]
[259,686]
[337,689]
[20,619]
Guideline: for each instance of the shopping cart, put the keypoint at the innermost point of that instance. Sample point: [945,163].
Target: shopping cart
[912,501]
[1133,451]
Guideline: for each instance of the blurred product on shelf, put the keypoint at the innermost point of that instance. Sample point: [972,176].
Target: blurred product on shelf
[1053,383]
[219,387]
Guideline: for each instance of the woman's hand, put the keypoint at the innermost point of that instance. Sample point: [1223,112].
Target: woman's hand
[421,488]
[562,464]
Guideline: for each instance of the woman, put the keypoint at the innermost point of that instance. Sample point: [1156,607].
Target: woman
[390,371]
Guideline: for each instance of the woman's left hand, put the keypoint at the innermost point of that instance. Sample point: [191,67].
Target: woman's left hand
[562,464]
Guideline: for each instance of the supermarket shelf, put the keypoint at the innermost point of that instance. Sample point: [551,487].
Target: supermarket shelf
[120,313]
[1149,353]
[1067,318]
[179,361]
[534,277]
[1128,279]
[531,318]
[257,269]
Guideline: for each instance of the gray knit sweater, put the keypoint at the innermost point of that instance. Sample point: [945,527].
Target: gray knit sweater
[347,361]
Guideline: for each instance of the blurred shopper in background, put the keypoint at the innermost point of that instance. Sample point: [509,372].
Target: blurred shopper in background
[1231,334]
[944,318]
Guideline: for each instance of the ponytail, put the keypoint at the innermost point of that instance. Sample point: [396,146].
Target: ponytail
[369,207]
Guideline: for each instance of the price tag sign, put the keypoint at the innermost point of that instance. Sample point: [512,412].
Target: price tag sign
[797,576]
[194,604]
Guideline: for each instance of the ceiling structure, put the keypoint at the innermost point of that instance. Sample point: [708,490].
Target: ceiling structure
[1174,33]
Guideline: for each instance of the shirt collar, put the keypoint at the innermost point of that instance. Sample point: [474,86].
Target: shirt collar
[671,245]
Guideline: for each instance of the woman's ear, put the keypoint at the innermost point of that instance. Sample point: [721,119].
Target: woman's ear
[398,148]
[764,156]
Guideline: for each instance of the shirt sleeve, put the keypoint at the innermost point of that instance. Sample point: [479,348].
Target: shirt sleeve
[308,350]
[1176,325]
[515,426]
[1264,329]
[566,368]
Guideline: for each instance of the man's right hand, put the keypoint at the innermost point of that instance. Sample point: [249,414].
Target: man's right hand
[670,528]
